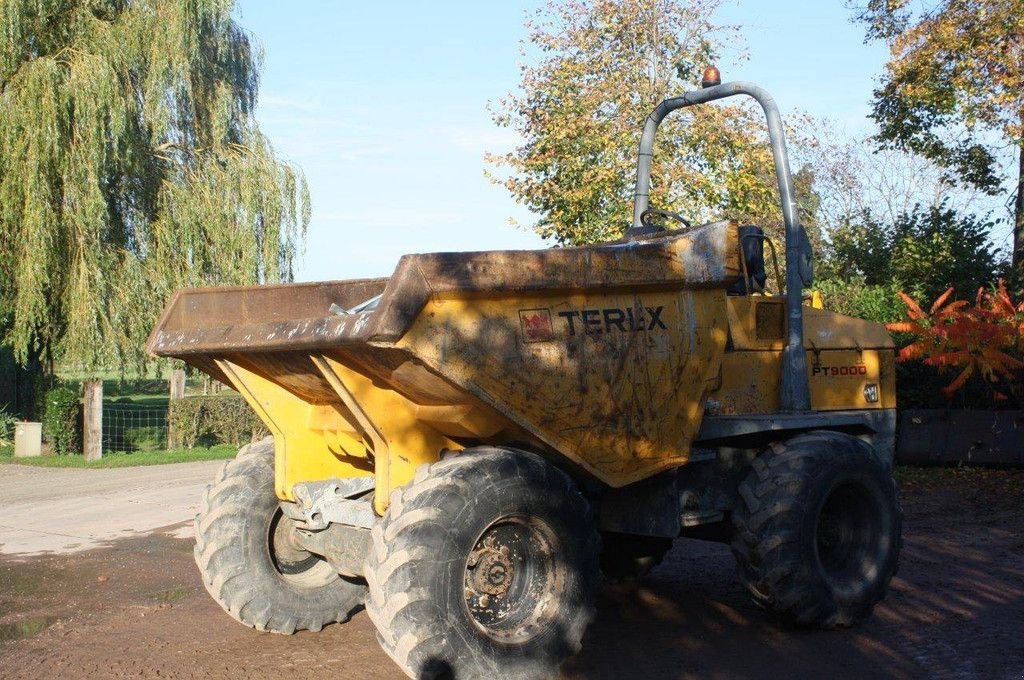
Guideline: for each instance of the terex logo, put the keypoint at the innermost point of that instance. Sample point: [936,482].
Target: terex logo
[536,325]
[598,321]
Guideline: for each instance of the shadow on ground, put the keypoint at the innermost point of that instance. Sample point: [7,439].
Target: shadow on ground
[954,611]
[136,608]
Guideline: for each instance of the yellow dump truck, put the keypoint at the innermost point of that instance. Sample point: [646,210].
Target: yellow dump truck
[467,445]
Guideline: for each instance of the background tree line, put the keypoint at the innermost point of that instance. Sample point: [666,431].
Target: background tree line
[131,164]
[899,209]
[907,208]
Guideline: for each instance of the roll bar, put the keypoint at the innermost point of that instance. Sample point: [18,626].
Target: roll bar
[794,389]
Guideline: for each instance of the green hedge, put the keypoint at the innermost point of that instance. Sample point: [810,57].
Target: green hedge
[878,303]
[6,427]
[209,420]
[61,411]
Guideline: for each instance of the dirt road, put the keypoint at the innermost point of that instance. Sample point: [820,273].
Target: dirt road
[62,510]
[135,608]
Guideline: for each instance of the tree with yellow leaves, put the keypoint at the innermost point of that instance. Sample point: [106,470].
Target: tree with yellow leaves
[601,68]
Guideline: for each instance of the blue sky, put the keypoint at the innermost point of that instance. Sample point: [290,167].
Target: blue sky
[384,106]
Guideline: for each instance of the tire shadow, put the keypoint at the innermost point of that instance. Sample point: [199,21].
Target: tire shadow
[691,618]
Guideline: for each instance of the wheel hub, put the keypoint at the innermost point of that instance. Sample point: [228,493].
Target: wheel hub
[493,572]
[845,532]
[510,578]
[291,560]
[286,545]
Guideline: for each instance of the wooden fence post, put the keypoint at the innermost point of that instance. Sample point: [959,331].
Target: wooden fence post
[92,444]
[177,392]
[178,383]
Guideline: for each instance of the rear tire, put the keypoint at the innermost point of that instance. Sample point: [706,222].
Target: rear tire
[250,565]
[817,529]
[485,566]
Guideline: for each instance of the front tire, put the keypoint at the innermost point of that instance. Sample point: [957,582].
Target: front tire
[485,566]
[817,529]
[250,562]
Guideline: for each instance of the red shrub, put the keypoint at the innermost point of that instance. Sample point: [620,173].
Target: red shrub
[982,339]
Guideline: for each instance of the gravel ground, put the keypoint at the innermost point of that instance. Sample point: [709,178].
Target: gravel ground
[134,607]
[61,510]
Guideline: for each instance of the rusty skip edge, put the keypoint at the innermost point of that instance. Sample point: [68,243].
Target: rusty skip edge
[298,317]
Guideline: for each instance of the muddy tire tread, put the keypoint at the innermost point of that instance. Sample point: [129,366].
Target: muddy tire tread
[225,508]
[398,544]
[763,539]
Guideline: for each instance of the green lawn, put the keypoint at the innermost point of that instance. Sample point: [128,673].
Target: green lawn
[112,460]
[139,400]
[152,390]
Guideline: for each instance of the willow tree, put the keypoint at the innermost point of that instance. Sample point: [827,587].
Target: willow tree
[596,71]
[131,165]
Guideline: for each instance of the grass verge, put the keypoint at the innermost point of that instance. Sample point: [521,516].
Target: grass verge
[114,460]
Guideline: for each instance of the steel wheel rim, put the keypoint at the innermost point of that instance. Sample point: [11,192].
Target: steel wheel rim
[846,532]
[512,578]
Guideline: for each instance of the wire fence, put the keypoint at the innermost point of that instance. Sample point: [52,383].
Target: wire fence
[134,427]
[137,418]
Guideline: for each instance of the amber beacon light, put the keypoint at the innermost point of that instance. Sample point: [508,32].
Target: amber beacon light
[712,76]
